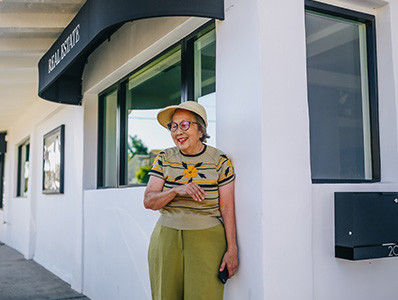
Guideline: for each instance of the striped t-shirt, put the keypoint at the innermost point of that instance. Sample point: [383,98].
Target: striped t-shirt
[210,169]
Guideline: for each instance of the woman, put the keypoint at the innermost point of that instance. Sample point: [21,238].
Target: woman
[192,185]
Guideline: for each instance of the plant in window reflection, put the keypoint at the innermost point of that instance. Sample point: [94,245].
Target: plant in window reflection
[138,160]
[142,174]
[136,146]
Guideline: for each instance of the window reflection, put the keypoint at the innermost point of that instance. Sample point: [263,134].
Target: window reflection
[338,98]
[53,158]
[205,64]
[129,134]
[23,169]
[109,139]
[150,89]
[52,163]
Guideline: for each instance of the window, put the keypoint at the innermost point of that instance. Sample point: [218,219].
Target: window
[342,94]
[148,90]
[129,135]
[23,169]
[205,64]
[107,138]
[2,155]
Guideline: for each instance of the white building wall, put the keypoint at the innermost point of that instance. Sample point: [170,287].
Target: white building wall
[18,219]
[46,228]
[16,211]
[369,279]
[117,233]
[59,217]
[297,217]
[287,215]
[2,226]
[240,134]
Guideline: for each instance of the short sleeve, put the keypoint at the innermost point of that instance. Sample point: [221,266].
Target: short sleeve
[157,167]
[225,170]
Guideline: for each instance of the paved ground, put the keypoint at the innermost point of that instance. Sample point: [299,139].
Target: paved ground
[22,279]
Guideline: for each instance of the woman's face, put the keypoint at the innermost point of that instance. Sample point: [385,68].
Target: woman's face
[187,141]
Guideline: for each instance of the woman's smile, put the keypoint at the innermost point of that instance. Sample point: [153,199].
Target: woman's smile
[182,140]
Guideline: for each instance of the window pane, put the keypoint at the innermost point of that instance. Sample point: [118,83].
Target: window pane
[338,98]
[23,169]
[209,103]
[205,64]
[1,179]
[147,91]
[205,78]
[109,140]
[26,170]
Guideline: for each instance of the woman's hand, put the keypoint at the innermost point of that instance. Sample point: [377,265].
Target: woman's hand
[191,189]
[155,198]
[230,261]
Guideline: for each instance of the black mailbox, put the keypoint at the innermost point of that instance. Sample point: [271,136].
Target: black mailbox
[366,225]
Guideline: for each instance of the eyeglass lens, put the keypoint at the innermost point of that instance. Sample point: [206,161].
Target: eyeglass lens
[184,125]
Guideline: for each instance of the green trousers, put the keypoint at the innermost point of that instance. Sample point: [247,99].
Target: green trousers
[184,264]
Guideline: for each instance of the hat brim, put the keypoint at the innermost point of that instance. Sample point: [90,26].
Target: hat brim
[164,116]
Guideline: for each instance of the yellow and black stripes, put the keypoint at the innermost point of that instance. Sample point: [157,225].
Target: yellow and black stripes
[210,170]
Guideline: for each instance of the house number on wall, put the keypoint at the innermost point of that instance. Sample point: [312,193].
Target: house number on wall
[393,250]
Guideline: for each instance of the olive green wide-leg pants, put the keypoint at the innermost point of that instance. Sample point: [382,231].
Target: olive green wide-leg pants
[184,264]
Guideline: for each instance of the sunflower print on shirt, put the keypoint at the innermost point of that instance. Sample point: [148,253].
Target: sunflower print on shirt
[190,172]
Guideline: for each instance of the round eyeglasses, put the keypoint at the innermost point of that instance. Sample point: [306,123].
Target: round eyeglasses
[184,125]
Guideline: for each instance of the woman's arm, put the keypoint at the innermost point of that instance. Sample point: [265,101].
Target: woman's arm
[155,198]
[227,208]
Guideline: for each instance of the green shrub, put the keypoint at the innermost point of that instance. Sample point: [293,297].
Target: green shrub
[142,174]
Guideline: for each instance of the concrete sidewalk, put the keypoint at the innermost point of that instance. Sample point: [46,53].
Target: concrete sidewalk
[22,279]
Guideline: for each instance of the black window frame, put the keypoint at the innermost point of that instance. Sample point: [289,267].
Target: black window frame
[187,93]
[371,47]
[26,144]
[2,161]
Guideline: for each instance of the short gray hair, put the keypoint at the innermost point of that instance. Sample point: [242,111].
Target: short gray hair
[202,127]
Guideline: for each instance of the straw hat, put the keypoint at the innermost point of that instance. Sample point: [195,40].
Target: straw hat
[164,116]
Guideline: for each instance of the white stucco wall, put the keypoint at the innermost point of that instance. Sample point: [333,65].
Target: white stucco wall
[117,233]
[46,228]
[287,215]
[17,210]
[369,279]
[297,217]
[239,133]
[2,226]
[59,217]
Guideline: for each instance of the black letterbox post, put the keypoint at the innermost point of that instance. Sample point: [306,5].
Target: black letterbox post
[366,225]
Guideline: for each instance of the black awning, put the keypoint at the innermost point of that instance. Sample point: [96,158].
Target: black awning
[61,68]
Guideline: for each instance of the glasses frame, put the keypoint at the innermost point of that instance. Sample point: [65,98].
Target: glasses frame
[179,125]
